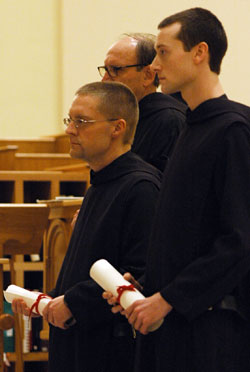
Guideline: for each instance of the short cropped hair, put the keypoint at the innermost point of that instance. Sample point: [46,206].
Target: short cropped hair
[145,49]
[116,100]
[197,25]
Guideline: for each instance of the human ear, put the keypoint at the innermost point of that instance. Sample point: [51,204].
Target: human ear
[149,76]
[201,52]
[119,128]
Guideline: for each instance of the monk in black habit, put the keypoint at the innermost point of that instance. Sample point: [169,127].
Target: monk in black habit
[197,274]
[113,223]
[161,117]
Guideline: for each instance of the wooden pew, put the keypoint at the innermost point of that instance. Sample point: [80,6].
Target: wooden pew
[11,160]
[21,232]
[3,325]
[36,153]
[42,161]
[22,227]
[37,144]
[28,186]
[58,143]
[56,240]
[83,168]
[7,157]
[62,143]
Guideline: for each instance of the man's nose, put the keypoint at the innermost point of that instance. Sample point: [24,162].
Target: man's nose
[155,64]
[71,129]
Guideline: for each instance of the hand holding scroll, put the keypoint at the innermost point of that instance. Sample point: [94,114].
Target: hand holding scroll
[24,301]
[143,314]
[57,312]
[112,300]
[19,306]
[126,294]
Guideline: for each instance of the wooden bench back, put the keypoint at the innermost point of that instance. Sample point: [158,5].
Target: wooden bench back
[42,161]
[7,157]
[38,144]
[22,227]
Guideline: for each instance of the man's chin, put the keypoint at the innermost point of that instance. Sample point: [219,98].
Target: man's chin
[167,90]
[75,154]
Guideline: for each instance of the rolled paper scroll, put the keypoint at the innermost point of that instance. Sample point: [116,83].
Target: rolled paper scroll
[30,298]
[111,280]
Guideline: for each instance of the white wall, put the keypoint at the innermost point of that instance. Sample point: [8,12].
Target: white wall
[52,47]
[30,94]
[91,26]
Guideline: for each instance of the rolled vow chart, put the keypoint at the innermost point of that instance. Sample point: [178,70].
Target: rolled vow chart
[111,280]
[30,298]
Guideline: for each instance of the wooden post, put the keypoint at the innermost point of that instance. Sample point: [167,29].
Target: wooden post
[1,310]
[22,229]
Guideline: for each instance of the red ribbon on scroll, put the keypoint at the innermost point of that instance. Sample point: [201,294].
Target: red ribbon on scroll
[123,288]
[36,303]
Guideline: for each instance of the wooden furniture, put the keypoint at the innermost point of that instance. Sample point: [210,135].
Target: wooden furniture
[80,167]
[45,154]
[55,244]
[39,144]
[83,168]
[11,160]
[22,227]
[7,157]
[62,143]
[58,143]
[28,186]
[57,236]
[21,232]
[41,161]
[5,323]
[39,356]
[45,171]
[56,240]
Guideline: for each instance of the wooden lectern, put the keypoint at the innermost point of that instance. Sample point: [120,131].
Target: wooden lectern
[21,232]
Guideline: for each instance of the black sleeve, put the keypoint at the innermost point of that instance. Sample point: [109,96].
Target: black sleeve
[228,259]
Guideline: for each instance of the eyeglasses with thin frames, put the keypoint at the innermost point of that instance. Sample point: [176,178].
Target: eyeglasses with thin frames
[114,70]
[78,123]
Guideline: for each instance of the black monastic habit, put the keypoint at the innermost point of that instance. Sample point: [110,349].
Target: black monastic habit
[199,256]
[113,223]
[161,120]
